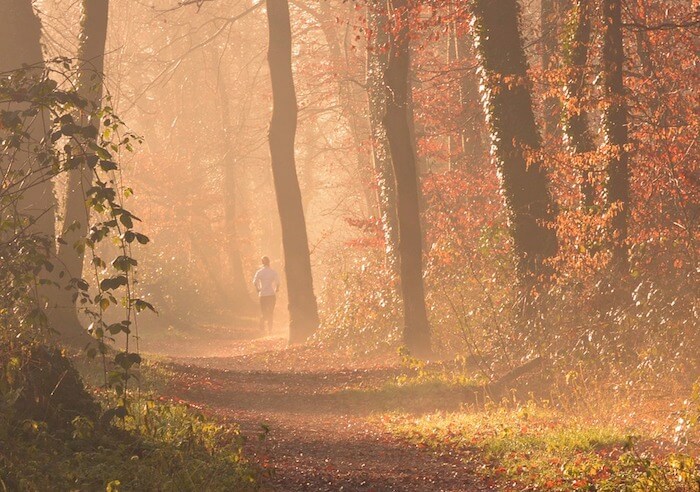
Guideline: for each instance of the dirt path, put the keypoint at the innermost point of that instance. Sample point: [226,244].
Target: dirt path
[322,436]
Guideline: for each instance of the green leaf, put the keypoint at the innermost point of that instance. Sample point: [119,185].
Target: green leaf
[108,165]
[141,305]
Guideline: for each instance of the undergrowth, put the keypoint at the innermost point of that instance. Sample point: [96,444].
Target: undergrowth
[158,446]
[533,447]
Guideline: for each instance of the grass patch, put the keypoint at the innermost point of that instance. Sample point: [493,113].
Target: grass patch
[535,448]
[418,391]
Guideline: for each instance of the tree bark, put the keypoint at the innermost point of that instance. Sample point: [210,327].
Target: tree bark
[514,137]
[71,251]
[615,129]
[577,134]
[303,310]
[377,96]
[416,332]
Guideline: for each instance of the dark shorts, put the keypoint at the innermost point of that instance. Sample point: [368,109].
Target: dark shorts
[267,305]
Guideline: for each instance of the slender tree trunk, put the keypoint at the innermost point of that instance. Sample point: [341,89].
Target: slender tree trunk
[577,134]
[514,135]
[549,17]
[452,148]
[377,95]
[240,300]
[71,251]
[472,133]
[396,120]
[303,310]
[615,129]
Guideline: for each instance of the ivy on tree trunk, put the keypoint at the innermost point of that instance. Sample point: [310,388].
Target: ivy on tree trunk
[515,137]
[577,134]
[71,250]
[396,121]
[377,96]
[617,187]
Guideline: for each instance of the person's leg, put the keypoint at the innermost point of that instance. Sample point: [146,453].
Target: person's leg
[267,303]
[273,301]
[262,314]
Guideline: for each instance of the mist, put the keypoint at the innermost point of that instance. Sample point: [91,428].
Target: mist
[349,245]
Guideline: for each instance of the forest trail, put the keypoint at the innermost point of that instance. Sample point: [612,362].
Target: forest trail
[324,434]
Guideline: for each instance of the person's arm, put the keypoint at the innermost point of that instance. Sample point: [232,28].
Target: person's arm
[256,281]
[277,282]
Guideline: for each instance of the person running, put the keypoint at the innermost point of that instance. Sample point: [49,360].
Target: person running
[267,282]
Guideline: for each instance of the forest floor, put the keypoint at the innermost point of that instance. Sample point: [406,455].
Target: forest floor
[321,421]
[321,432]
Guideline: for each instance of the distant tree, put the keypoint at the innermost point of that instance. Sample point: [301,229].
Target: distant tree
[240,297]
[397,123]
[303,310]
[71,249]
[514,136]
[617,188]
[377,96]
[351,95]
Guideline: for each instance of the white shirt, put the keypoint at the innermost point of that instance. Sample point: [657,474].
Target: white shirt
[266,281]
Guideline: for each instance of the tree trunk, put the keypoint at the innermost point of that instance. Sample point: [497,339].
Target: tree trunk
[577,135]
[35,206]
[549,17]
[377,95]
[472,138]
[452,149]
[396,120]
[615,129]
[514,136]
[240,297]
[71,251]
[303,310]
[20,44]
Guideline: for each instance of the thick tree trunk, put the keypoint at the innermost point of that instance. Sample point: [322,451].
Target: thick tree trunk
[396,120]
[615,129]
[71,251]
[30,179]
[377,95]
[514,136]
[577,135]
[241,301]
[303,310]
[20,44]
